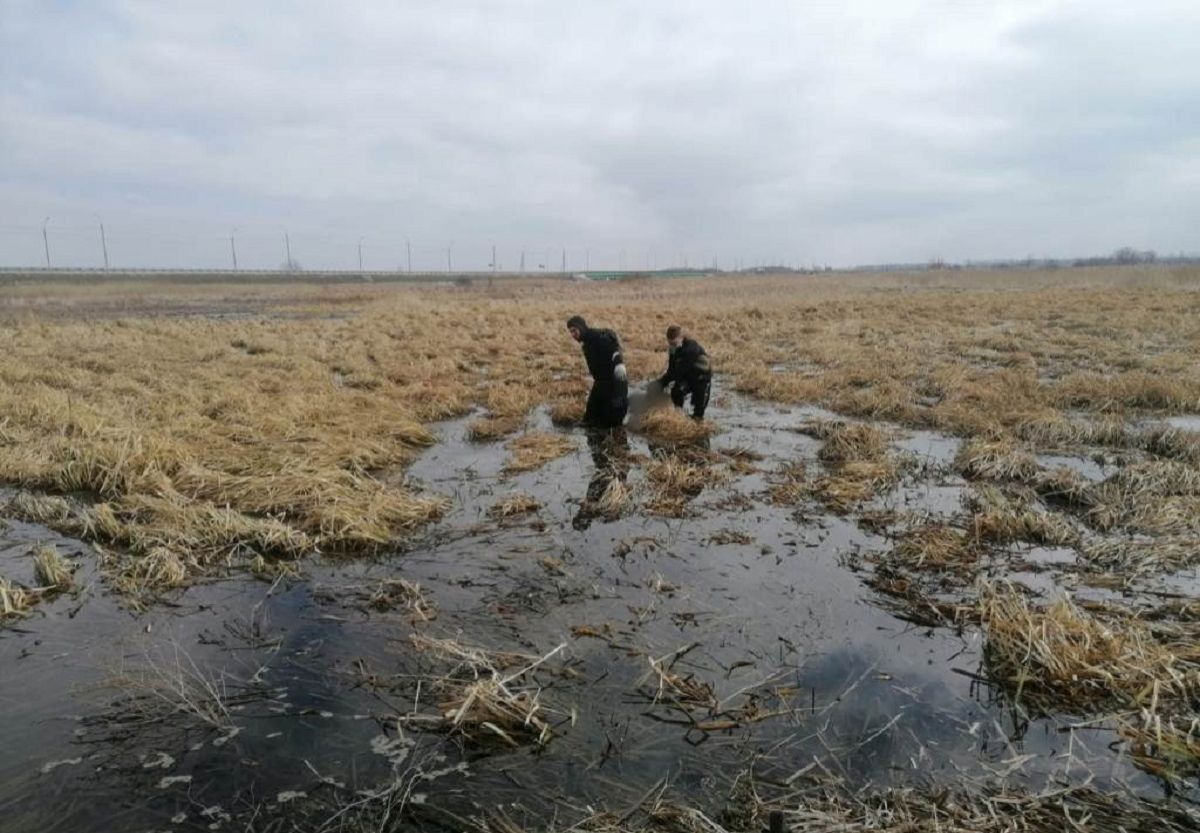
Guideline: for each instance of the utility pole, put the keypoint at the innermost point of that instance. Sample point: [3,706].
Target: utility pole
[449,267]
[522,260]
[493,258]
[46,241]
[287,247]
[360,254]
[233,248]
[103,242]
[408,247]
[564,262]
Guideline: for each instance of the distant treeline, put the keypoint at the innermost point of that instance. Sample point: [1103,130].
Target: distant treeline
[1121,257]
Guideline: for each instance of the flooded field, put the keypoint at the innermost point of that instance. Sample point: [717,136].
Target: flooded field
[342,559]
[681,656]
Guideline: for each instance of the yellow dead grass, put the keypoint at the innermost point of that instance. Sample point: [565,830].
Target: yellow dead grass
[188,428]
[532,451]
[1059,658]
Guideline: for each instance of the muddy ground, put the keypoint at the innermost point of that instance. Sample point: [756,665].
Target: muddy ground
[251,703]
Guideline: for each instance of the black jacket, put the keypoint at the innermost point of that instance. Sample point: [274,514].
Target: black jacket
[688,362]
[602,352]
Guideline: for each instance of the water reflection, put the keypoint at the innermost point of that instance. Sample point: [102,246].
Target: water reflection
[606,490]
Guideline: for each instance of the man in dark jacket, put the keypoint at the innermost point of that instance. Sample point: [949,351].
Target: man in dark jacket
[609,397]
[688,369]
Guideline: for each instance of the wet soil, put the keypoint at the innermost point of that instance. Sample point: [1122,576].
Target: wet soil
[315,679]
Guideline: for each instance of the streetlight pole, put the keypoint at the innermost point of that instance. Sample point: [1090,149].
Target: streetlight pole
[46,241]
[233,248]
[103,242]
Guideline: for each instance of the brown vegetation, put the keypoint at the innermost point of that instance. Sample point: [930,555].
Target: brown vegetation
[194,441]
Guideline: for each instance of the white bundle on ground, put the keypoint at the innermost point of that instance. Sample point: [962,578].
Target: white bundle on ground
[650,398]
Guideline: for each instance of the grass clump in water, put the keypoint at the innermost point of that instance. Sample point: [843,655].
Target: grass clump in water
[1060,659]
[533,450]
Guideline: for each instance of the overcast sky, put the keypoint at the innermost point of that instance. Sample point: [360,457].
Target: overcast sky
[848,132]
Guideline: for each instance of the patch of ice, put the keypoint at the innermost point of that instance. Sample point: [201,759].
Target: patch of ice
[394,749]
[53,765]
[229,735]
[163,761]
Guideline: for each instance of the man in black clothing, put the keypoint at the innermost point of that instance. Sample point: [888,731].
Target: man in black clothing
[609,397]
[688,369]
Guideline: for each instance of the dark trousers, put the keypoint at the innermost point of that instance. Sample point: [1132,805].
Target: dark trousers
[607,404]
[698,387]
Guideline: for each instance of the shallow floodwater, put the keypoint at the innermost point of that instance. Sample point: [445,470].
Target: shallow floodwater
[759,596]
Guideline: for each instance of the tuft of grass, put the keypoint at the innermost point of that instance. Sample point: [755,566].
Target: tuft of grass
[789,485]
[935,547]
[1060,659]
[1142,556]
[567,412]
[673,427]
[1165,747]
[15,600]
[48,510]
[54,573]
[850,442]
[390,593]
[996,459]
[615,498]
[674,481]
[514,504]
[1155,497]
[489,429]
[535,449]
[1004,519]
[482,699]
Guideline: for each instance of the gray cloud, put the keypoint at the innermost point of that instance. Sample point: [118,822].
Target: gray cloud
[862,133]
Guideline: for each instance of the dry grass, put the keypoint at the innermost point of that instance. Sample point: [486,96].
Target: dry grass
[1166,748]
[789,486]
[675,480]
[390,593]
[15,600]
[849,442]
[534,450]
[833,807]
[988,459]
[513,505]
[568,412]
[482,700]
[48,510]
[307,418]
[489,429]
[856,461]
[615,499]
[684,691]
[1004,518]
[1060,659]
[672,427]
[54,573]
[1131,557]
[935,547]
[1156,497]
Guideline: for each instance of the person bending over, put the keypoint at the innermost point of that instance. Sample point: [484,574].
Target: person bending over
[608,400]
[688,371]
